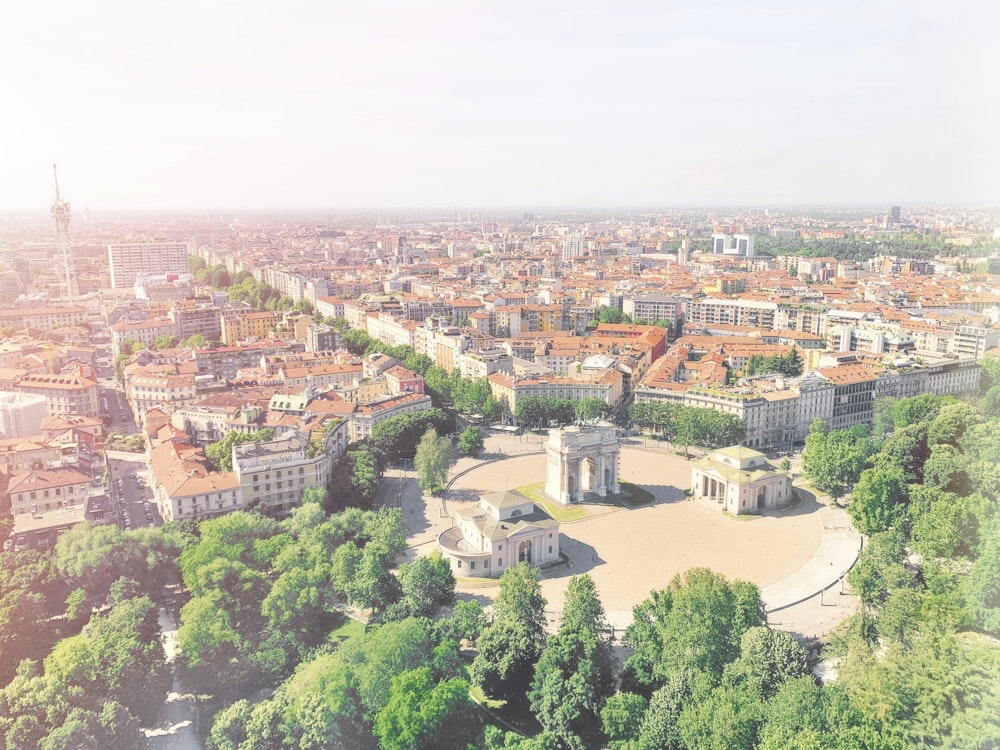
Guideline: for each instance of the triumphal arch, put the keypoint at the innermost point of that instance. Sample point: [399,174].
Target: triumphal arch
[582,461]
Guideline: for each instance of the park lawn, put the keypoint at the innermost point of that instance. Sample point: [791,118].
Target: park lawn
[348,629]
[562,514]
[477,694]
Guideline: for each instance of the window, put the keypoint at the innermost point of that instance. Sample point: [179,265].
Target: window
[550,549]
[550,535]
[500,563]
[472,565]
[459,563]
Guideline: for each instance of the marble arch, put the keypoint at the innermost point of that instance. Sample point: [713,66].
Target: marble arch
[582,460]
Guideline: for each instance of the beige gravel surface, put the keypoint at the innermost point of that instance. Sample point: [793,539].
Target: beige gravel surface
[790,554]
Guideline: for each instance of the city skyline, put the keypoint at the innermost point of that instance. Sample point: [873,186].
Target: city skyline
[542,105]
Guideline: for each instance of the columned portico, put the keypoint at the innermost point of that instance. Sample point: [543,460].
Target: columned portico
[581,461]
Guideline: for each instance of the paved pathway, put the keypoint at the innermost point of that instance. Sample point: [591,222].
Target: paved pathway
[175,723]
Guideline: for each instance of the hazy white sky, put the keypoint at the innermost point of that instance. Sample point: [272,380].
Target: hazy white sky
[336,104]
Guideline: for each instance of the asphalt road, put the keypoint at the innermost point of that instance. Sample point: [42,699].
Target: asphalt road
[131,495]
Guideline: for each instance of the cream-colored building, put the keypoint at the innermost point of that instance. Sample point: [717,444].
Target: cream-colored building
[505,529]
[740,480]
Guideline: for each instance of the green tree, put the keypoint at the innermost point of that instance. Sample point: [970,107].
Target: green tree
[431,461]
[834,460]
[470,442]
[907,448]
[950,424]
[427,583]
[512,642]
[195,341]
[621,719]
[220,453]
[165,342]
[382,653]
[879,499]
[727,718]
[983,583]
[422,715]
[583,609]
[571,682]
[660,724]
[697,622]
[767,658]
[880,568]
[589,409]
[364,476]
[919,409]
[467,621]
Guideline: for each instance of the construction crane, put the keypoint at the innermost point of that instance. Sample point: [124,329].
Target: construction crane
[60,212]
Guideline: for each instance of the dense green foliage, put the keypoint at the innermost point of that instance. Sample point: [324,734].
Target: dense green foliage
[431,461]
[220,453]
[470,442]
[512,642]
[688,425]
[789,364]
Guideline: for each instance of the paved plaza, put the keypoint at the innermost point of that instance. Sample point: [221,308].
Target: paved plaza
[790,554]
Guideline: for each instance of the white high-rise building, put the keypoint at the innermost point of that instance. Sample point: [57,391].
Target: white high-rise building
[126,259]
[572,247]
[732,244]
[21,414]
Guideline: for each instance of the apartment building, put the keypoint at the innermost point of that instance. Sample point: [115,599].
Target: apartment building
[21,414]
[853,396]
[272,475]
[974,341]
[226,361]
[146,332]
[146,391]
[654,307]
[46,489]
[606,385]
[184,485]
[736,312]
[366,416]
[126,259]
[391,330]
[243,326]
[43,318]
[74,392]
[192,318]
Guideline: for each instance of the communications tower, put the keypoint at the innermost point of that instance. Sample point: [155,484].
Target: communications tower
[60,212]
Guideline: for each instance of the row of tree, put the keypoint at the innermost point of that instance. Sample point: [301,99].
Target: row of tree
[537,412]
[688,425]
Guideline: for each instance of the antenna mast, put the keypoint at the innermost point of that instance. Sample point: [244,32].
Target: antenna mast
[60,212]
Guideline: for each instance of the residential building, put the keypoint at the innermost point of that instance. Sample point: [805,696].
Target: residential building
[73,392]
[41,490]
[21,414]
[126,259]
[366,416]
